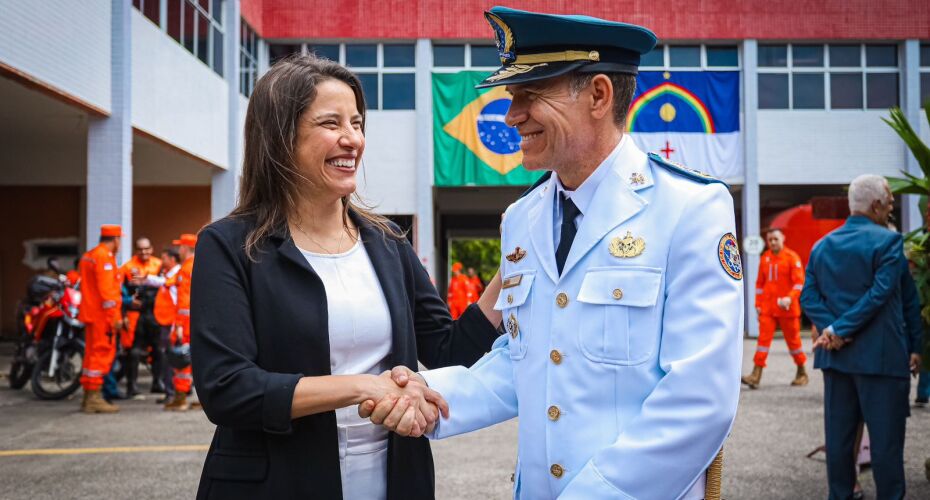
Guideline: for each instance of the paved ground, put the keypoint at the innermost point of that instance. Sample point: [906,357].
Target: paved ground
[777,425]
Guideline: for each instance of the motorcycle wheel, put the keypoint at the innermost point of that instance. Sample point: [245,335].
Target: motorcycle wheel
[65,380]
[20,373]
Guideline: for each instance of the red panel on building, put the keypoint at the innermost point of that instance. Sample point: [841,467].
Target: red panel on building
[670,19]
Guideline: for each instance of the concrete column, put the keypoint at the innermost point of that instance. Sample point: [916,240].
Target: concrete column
[426,242]
[109,141]
[224,190]
[751,180]
[910,104]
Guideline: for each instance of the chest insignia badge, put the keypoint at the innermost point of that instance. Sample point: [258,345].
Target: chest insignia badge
[637,179]
[517,254]
[512,326]
[627,247]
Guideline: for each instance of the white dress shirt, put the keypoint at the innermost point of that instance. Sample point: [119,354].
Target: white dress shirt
[359,342]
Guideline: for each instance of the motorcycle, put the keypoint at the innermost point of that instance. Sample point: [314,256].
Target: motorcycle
[50,352]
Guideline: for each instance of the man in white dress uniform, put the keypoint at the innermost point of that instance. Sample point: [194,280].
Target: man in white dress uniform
[622,298]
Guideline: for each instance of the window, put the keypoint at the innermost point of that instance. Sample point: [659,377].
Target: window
[834,76]
[150,9]
[196,24]
[465,56]
[925,75]
[484,55]
[773,91]
[386,71]
[690,57]
[449,56]
[684,56]
[278,51]
[248,59]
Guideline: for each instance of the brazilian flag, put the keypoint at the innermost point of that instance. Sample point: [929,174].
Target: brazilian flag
[472,146]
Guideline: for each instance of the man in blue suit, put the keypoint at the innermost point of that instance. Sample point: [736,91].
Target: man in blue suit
[854,294]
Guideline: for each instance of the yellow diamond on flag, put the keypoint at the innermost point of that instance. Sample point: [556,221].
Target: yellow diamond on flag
[480,127]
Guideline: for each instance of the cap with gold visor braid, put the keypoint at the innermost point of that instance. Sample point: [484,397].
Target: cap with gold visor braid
[534,46]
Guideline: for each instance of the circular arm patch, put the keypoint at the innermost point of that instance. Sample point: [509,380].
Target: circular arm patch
[728,252]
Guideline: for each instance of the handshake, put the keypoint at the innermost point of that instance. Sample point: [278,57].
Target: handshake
[402,402]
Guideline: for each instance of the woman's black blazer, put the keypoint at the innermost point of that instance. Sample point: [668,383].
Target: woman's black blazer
[258,327]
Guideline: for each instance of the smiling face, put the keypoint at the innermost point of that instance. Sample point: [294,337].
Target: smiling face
[330,141]
[556,127]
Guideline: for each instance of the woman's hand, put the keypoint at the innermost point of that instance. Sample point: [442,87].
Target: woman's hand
[406,405]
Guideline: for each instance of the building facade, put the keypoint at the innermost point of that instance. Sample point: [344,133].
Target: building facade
[131,112]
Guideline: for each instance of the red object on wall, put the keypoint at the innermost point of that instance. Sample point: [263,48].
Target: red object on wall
[802,230]
[670,19]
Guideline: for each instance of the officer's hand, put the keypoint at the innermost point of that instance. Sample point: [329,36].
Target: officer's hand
[915,363]
[784,303]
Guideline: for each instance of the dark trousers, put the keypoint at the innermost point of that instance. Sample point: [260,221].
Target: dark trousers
[882,403]
[166,373]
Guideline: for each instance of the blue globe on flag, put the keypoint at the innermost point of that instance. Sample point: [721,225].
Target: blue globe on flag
[496,135]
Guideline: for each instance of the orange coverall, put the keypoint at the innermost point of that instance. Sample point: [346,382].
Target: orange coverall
[780,275]
[181,333]
[459,291]
[150,268]
[101,300]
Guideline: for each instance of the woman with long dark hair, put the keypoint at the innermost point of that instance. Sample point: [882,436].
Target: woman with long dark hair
[302,296]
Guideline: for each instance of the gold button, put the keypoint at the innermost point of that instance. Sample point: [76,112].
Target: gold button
[594,55]
[509,298]
[618,293]
[561,299]
[554,413]
[556,470]
[555,356]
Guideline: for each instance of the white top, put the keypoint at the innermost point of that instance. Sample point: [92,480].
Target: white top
[359,342]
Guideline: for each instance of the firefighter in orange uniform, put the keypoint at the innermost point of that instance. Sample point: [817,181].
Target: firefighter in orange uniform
[142,281]
[181,335]
[101,300]
[778,289]
[458,291]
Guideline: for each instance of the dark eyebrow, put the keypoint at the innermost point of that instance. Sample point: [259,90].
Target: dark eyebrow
[326,115]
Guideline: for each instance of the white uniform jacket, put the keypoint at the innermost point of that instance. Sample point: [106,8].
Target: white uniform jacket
[625,370]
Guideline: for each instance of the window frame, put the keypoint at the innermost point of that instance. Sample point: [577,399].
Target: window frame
[704,66]
[468,64]
[379,68]
[827,70]
[215,22]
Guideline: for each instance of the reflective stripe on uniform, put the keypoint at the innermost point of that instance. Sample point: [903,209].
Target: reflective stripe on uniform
[107,304]
[798,287]
[759,291]
[183,375]
[184,312]
[92,373]
[762,349]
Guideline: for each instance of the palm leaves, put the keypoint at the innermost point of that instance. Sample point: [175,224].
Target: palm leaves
[911,184]
[917,242]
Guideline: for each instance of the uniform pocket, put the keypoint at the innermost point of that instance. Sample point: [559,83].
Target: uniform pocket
[515,303]
[619,323]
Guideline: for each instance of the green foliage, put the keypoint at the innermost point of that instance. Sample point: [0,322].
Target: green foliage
[917,242]
[484,254]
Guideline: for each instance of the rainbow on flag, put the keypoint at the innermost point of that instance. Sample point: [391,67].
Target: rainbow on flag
[690,117]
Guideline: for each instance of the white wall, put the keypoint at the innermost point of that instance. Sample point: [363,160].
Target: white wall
[175,97]
[387,179]
[826,147]
[63,43]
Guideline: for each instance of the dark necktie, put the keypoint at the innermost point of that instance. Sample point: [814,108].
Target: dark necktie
[569,212]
